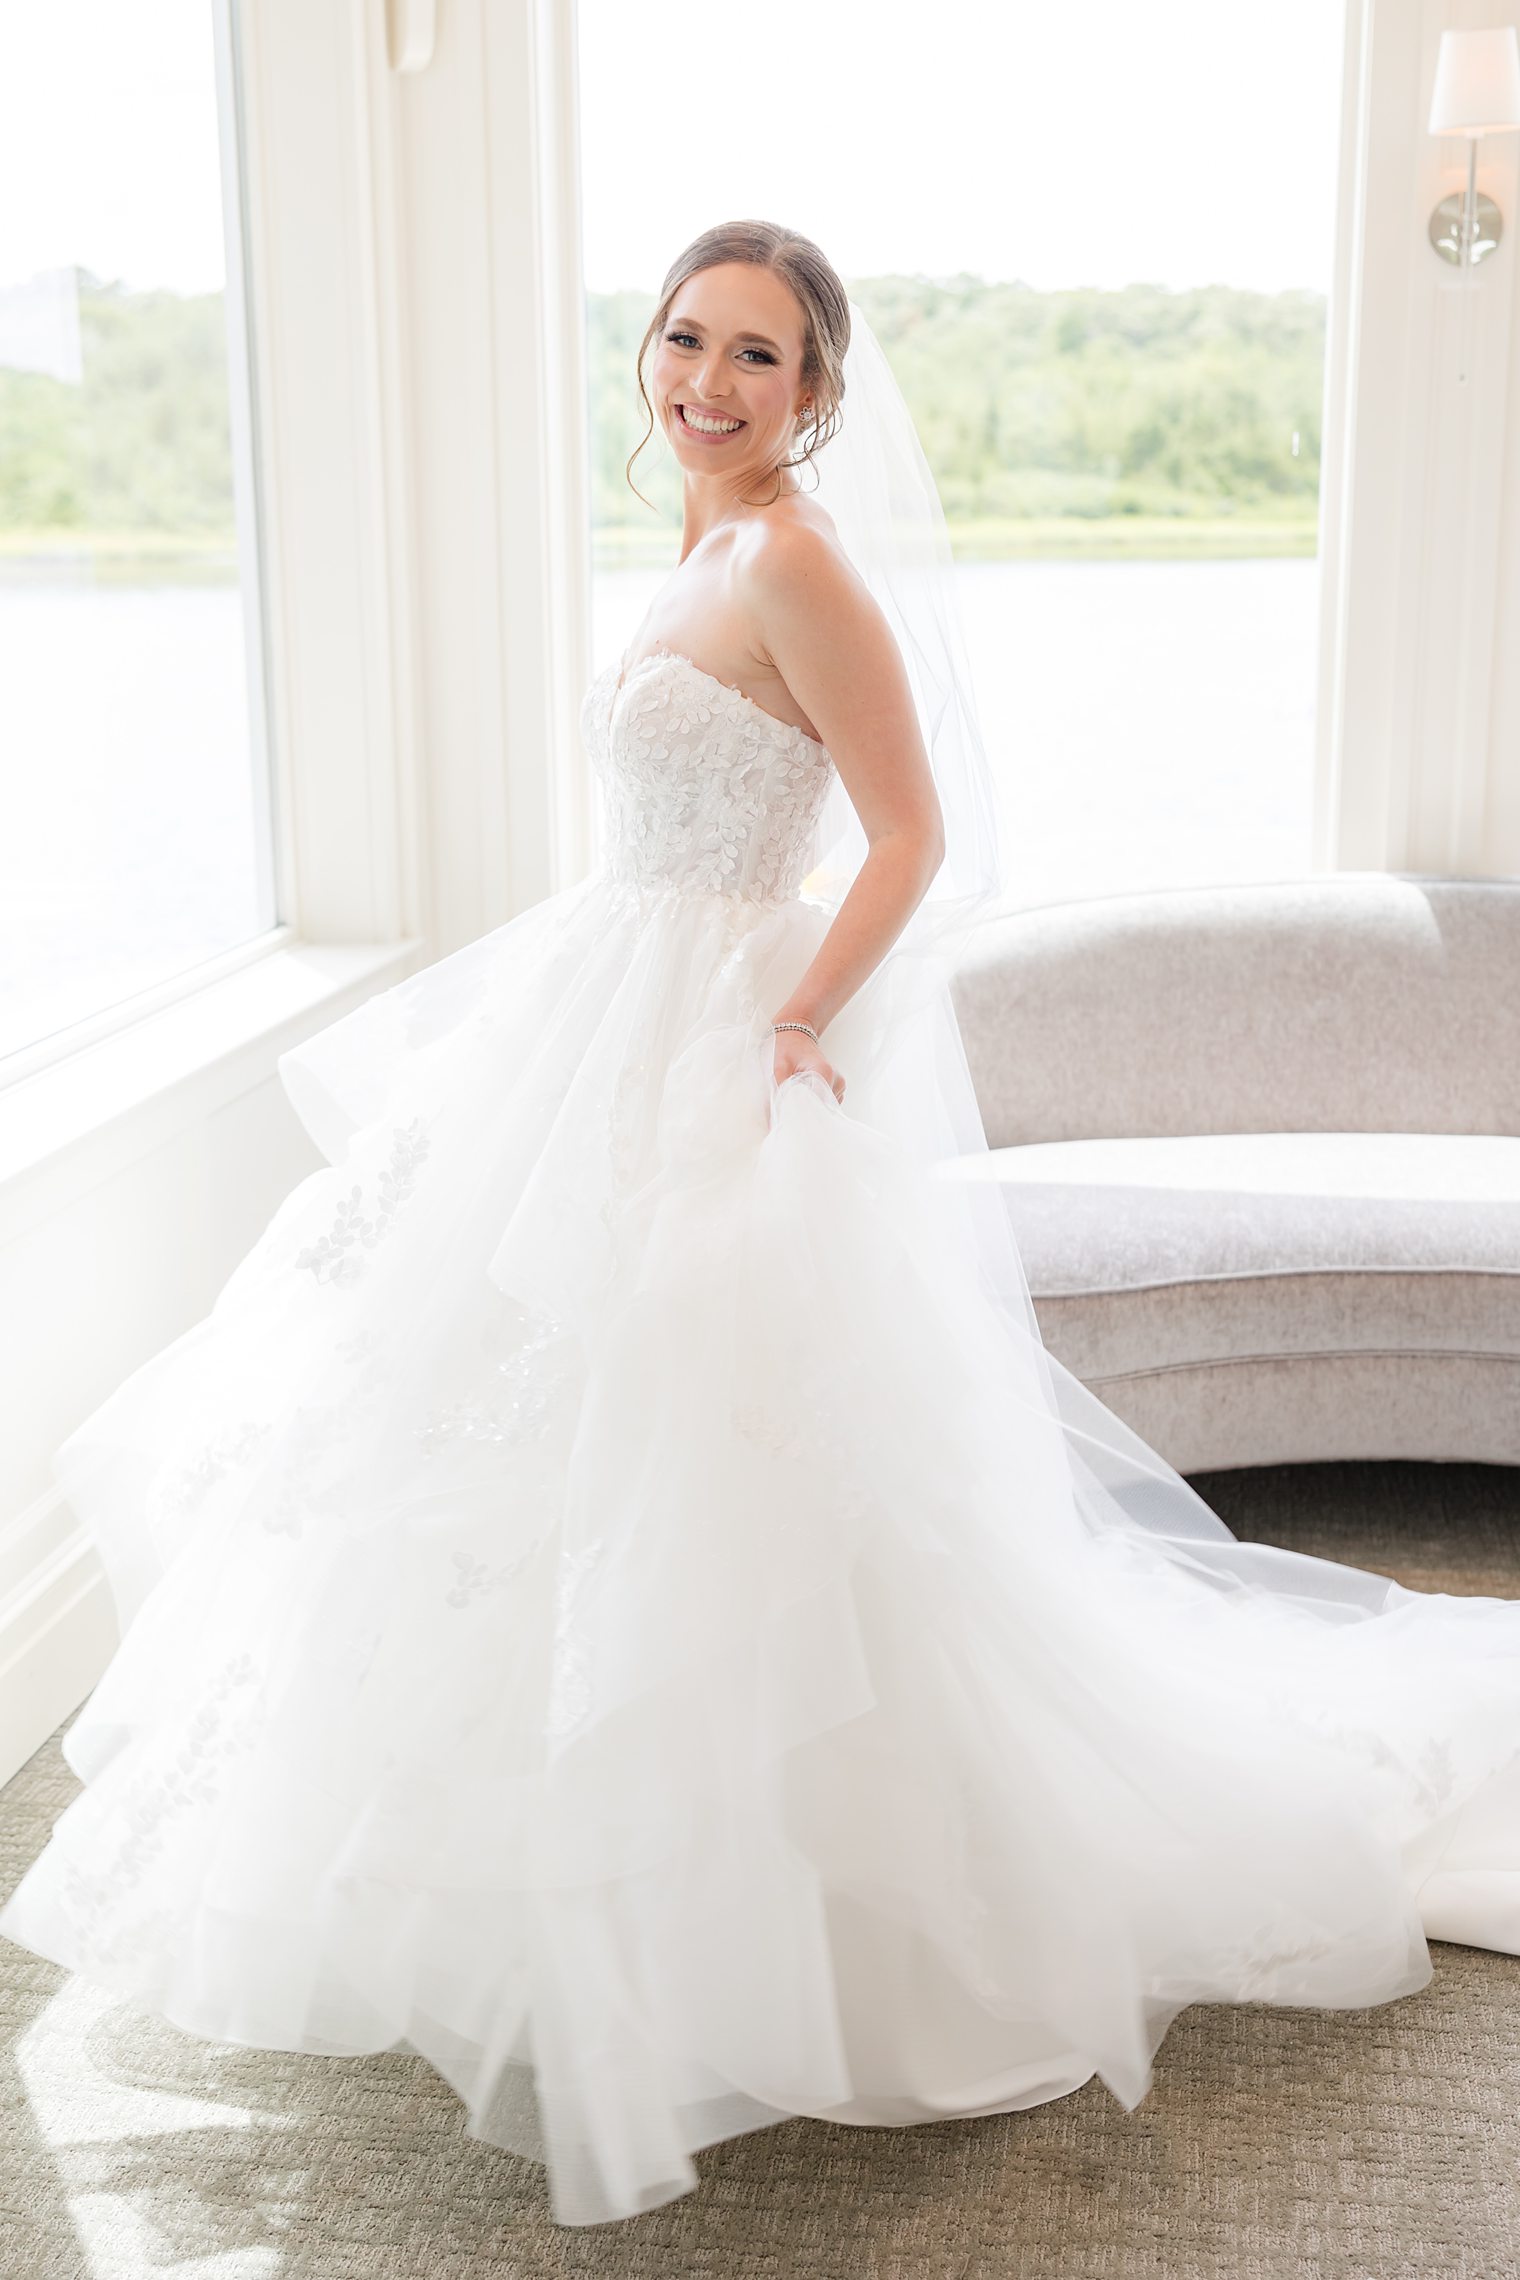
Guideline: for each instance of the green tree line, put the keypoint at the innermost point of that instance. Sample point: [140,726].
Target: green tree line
[139,448]
[1083,421]
[1140,420]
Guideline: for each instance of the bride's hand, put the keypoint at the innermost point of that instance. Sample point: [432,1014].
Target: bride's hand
[796,1052]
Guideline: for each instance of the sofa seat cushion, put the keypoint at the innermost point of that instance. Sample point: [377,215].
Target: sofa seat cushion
[1162,1252]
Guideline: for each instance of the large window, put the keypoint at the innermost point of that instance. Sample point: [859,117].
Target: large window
[1097,247]
[134,813]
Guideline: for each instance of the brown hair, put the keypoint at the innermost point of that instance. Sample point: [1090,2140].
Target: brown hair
[825,318]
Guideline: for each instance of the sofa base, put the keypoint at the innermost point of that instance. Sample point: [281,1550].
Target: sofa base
[1218,1416]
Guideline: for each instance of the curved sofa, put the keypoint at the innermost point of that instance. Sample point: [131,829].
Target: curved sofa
[1261,1149]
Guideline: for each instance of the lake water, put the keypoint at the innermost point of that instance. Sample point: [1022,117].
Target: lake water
[128,847]
[1151,723]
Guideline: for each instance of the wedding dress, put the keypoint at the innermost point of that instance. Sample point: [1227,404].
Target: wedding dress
[620,1601]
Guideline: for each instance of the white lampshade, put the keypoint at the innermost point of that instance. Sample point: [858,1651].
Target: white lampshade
[1477,90]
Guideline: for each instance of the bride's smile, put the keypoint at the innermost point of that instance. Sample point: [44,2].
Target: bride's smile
[707,423]
[730,354]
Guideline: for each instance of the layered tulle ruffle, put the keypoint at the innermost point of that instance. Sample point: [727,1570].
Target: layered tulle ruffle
[622,1602]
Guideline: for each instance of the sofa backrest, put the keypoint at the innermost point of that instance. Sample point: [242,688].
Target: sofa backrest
[1355,1001]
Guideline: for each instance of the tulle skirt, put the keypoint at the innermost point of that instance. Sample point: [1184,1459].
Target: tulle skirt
[618,1599]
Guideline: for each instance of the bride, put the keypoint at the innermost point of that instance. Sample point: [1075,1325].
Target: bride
[616,1596]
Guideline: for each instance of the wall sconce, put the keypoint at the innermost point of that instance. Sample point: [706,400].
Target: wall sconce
[1477,92]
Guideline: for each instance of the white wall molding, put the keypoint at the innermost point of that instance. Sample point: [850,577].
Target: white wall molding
[490,252]
[413,183]
[1420,706]
[57,1625]
[416,276]
[331,415]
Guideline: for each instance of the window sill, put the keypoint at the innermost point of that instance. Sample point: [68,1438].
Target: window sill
[72,1125]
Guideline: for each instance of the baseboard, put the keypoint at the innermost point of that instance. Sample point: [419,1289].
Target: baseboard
[57,1627]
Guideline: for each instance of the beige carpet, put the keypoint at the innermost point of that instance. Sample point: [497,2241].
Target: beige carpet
[1275,2144]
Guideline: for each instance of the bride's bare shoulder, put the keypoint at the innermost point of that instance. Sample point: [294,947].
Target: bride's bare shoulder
[799,588]
[793,517]
[794,540]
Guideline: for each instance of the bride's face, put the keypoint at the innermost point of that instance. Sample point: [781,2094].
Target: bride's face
[730,349]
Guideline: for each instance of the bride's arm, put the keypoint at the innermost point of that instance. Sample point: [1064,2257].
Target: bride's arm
[829,641]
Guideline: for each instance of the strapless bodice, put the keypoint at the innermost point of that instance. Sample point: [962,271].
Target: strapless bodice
[702,790]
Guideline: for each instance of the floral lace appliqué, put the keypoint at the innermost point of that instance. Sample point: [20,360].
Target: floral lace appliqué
[336,1257]
[183,1780]
[526,1384]
[703,791]
[570,1691]
[229,1448]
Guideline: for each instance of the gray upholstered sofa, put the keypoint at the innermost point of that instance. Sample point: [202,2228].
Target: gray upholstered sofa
[1261,1147]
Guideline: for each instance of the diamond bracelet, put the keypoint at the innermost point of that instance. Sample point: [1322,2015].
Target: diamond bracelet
[805,1026]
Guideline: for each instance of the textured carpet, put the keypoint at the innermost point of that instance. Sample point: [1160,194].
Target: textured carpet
[1275,2144]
